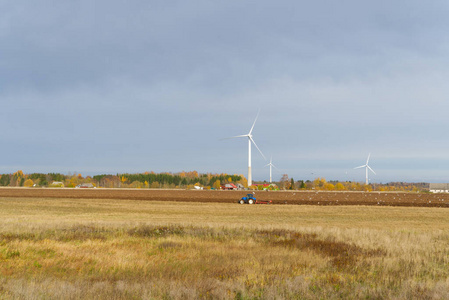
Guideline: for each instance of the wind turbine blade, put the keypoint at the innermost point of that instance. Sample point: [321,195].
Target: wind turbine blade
[371,170]
[233,137]
[369,154]
[360,167]
[276,168]
[238,136]
[257,147]
[252,127]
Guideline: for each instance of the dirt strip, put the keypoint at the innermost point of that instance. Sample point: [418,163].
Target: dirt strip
[278,197]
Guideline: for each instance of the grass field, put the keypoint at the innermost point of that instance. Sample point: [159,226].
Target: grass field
[116,249]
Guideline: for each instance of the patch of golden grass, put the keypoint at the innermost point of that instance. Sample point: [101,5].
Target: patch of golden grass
[78,249]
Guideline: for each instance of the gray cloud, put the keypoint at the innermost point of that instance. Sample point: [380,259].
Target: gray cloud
[152,85]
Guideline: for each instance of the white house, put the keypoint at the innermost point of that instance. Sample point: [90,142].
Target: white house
[439,187]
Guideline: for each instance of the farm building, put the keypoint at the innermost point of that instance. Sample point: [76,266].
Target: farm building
[439,187]
[85,186]
[229,186]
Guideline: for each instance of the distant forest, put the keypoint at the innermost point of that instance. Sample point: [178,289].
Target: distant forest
[187,180]
[125,180]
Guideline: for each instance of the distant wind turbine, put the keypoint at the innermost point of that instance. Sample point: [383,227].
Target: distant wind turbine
[366,166]
[271,165]
[250,140]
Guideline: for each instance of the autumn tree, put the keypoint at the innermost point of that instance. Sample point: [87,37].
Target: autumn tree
[367,188]
[192,174]
[329,186]
[136,184]
[17,178]
[243,181]
[28,183]
[284,182]
[74,181]
[319,183]
[217,184]
[155,185]
[340,187]
[355,186]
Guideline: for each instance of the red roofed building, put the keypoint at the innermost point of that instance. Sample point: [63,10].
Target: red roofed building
[229,186]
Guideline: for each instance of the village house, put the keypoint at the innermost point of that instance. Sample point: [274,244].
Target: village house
[439,187]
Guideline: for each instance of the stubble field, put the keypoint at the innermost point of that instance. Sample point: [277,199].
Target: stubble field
[76,247]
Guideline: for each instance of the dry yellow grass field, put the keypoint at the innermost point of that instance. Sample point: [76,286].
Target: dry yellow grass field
[117,249]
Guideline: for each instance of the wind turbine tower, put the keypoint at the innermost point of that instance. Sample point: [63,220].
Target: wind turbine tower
[250,141]
[366,166]
[271,165]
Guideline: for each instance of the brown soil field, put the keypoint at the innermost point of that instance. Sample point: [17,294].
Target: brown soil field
[277,197]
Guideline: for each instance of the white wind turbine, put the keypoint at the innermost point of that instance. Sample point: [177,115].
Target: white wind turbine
[271,165]
[250,140]
[366,166]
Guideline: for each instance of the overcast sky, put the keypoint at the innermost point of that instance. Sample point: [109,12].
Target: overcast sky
[132,86]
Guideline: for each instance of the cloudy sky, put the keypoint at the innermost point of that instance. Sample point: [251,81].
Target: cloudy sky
[132,86]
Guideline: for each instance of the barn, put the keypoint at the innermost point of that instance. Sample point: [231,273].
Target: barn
[229,186]
[439,187]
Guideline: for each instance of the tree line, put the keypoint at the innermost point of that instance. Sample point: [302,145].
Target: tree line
[187,180]
[321,184]
[125,180]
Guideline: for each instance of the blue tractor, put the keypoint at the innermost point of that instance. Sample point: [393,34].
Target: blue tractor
[248,199]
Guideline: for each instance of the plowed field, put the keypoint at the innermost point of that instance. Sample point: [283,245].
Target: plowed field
[278,197]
